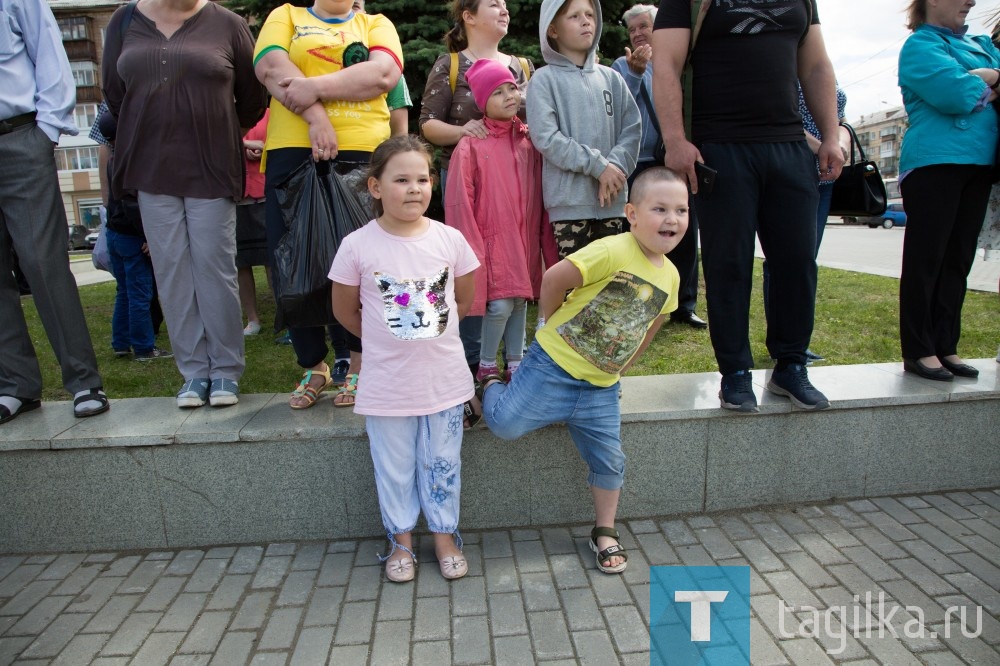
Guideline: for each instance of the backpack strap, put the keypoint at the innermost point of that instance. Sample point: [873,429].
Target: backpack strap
[698,10]
[453,72]
[525,67]
[126,22]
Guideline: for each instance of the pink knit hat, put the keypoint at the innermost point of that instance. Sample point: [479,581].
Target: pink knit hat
[484,77]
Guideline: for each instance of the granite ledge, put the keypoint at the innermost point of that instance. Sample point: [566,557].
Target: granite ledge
[146,422]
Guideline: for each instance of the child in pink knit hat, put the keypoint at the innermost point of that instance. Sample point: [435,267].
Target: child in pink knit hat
[494,197]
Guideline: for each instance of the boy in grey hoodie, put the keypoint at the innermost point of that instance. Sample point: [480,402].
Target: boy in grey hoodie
[585,124]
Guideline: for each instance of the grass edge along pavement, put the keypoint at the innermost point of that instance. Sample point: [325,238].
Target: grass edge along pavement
[856,322]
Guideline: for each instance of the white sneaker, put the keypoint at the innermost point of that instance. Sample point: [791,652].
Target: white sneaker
[253,328]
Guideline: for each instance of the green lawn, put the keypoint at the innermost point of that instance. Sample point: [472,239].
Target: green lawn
[856,322]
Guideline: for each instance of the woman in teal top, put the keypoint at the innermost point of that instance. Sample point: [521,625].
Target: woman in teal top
[948,80]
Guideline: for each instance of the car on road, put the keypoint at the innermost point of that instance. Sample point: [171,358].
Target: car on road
[78,237]
[92,239]
[894,216]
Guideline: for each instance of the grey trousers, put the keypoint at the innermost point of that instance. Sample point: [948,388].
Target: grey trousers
[33,224]
[192,243]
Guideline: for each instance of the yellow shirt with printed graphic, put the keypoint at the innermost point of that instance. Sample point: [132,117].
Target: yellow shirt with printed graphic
[602,323]
[323,46]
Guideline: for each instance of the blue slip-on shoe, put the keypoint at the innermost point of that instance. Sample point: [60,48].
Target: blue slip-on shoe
[225,392]
[737,392]
[793,382]
[194,393]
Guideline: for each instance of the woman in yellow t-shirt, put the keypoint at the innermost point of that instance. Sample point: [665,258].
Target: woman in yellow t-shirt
[328,70]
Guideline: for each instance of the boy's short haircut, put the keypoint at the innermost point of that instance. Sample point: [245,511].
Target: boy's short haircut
[649,177]
[559,12]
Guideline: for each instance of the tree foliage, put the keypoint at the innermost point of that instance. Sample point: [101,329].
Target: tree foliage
[421,25]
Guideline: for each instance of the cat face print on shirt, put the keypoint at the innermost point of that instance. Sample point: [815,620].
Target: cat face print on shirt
[415,308]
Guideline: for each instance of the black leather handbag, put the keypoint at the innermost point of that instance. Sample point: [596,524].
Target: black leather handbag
[859,191]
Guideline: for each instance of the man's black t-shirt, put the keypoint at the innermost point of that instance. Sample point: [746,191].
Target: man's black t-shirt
[745,67]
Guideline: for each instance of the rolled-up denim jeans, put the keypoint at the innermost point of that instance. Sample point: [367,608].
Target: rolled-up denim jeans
[541,393]
[418,466]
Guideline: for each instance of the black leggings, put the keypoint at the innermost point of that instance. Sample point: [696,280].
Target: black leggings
[308,342]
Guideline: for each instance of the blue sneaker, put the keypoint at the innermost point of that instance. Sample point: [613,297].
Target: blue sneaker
[194,393]
[338,375]
[737,392]
[793,382]
[225,392]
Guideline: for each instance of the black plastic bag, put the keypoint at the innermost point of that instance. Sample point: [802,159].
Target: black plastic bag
[319,210]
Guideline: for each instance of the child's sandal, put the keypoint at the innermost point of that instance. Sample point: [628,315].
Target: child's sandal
[307,391]
[348,392]
[611,551]
[472,417]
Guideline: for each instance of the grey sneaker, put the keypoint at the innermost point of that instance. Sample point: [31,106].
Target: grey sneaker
[737,392]
[194,393]
[224,392]
[793,382]
[154,354]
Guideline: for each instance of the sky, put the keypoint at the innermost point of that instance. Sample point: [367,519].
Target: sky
[863,38]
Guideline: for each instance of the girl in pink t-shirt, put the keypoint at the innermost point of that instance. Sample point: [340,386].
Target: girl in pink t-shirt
[415,279]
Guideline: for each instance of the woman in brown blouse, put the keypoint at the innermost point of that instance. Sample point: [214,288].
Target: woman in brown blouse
[179,79]
[446,115]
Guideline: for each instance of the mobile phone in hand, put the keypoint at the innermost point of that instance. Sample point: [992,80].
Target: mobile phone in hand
[706,177]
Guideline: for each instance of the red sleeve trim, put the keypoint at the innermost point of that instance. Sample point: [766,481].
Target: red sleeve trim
[390,52]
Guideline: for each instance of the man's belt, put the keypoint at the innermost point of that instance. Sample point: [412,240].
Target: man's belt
[10,124]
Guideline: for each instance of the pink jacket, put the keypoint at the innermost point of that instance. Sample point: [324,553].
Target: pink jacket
[494,197]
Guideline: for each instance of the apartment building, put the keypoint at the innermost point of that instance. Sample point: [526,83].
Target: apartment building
[83,24]
[881,136]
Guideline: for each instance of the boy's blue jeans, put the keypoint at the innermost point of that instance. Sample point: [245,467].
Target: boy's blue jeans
[131,323]
[541,393]
[418,466]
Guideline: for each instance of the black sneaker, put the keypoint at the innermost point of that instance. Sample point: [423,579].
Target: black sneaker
[737,392]
[338,374]
[123,353]
[154,354]
[793,382]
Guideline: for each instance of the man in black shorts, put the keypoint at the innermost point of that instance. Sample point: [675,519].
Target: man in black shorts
[745,124]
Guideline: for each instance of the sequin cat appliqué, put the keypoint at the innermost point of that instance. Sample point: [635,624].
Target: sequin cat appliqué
[415,308]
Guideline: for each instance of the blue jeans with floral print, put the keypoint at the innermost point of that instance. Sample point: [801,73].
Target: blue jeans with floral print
[418,466]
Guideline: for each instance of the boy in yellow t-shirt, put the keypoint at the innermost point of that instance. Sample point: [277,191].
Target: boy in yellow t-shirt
[622,288]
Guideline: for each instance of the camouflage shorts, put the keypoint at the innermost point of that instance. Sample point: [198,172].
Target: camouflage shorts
[573,235]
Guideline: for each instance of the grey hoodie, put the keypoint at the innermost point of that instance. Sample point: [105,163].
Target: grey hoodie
[581,118]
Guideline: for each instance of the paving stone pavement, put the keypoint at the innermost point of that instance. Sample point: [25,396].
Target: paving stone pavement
[530,596]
